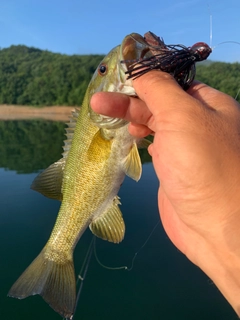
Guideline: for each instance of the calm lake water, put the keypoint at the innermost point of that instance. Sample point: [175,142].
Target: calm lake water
[163,284]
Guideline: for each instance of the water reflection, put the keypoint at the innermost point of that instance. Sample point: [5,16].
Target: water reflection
[27,146]
[163,283]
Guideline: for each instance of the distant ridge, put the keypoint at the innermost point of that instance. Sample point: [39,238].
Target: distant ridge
[30,76]
[220,75]
[205,62]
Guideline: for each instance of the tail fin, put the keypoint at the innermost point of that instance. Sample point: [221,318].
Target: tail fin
[55,282]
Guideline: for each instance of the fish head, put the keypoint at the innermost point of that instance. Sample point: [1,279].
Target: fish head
[110,75]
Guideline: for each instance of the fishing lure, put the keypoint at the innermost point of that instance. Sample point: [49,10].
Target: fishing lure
[177,60]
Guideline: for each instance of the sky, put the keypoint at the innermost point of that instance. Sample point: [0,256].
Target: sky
[96,26]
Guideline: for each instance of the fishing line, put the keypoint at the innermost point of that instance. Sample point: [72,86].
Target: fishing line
[211,32]
[237,94]
[92,248]
[144,244]
[210,26]
[82,274]
[82,271]
[211,37]
[235,42]
[134,257]
[101,264]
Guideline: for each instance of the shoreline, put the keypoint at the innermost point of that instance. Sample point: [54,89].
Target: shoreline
[53,113]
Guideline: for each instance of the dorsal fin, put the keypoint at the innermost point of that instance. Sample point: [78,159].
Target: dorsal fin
[49,182]
[71,125]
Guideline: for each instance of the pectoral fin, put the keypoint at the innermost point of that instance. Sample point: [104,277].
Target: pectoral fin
[49,182]
[132,165]
[144,144]
[109,225]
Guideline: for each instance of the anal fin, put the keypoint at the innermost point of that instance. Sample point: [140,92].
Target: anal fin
[109,225]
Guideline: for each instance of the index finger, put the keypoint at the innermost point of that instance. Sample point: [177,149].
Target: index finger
[161,92]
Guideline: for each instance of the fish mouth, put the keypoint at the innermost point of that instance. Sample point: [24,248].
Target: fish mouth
[133,48]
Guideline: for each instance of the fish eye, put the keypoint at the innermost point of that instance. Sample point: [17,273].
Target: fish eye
[102,69]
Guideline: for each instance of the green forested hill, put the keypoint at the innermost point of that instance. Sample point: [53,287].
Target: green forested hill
[29,76]
[222,76]
[29,145]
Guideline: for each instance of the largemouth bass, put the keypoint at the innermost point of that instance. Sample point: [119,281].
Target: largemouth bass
[98,153]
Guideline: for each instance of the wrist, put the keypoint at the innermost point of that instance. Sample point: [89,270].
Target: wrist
[220,260]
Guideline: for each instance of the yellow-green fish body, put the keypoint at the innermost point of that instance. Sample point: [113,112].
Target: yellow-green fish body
[98,153]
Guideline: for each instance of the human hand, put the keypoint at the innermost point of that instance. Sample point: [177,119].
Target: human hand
[196,156]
